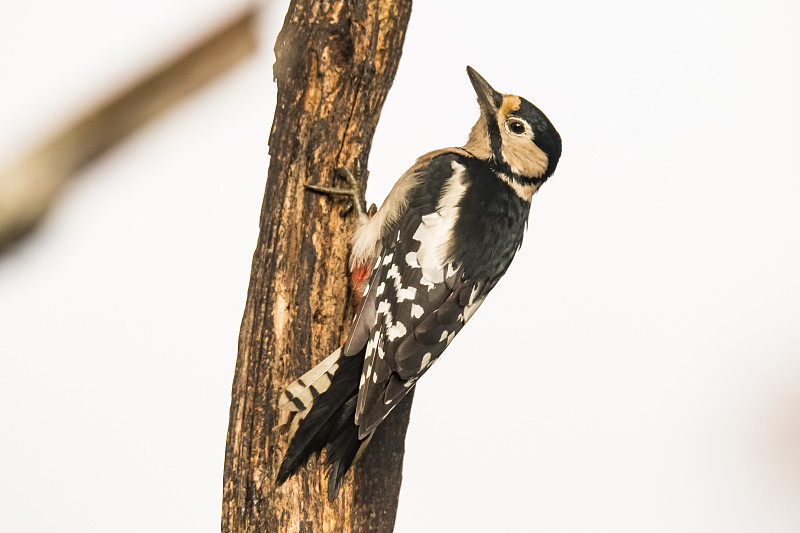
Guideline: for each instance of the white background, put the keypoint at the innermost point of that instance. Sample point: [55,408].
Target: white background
[637,370]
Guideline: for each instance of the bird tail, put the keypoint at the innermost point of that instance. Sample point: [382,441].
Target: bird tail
[324,400]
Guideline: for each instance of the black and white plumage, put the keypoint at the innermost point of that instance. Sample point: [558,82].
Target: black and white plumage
[438,245]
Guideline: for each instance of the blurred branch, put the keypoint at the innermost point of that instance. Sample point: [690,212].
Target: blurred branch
[31,185]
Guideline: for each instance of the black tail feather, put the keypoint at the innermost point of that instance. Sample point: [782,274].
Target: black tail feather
[330,421]
[342,450]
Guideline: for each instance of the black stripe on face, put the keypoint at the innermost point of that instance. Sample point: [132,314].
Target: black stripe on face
[495,140]
[522,180]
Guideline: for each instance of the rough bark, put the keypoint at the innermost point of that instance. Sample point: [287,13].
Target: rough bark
[335,63]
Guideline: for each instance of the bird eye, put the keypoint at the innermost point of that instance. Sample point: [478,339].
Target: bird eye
[516,127]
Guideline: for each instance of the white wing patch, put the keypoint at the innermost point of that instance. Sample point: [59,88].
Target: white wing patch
[435,234]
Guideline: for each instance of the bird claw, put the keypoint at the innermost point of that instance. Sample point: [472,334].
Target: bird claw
[352,192]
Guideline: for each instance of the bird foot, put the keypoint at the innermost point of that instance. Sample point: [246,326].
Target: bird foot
[352,192]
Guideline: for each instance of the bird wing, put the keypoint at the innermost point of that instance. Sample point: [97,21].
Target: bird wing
[417,298]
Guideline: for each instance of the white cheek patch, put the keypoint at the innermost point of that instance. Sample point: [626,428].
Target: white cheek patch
[522,155]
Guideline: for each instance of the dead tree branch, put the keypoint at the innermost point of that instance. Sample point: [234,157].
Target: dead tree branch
[335,63]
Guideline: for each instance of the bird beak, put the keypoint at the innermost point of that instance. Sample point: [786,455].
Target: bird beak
[489,99]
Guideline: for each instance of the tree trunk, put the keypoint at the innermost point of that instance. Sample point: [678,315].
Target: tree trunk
[335,63]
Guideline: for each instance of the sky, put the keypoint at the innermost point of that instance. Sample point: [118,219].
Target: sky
[638,368]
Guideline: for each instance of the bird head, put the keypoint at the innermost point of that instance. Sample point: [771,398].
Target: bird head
[513,134]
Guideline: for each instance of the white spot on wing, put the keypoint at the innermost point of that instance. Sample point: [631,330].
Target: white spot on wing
[426,359]
[408,293]
[444,336]
[380,289]
[470,309]
[393,272]
[396,330]
[383,308]
[417,310]
[388,259]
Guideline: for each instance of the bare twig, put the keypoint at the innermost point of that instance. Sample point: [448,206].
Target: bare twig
[31,185]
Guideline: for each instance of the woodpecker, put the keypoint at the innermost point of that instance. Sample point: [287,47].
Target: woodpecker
[442,239]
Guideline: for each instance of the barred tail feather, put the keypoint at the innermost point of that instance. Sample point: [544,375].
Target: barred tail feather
[300,395]
[325,401]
